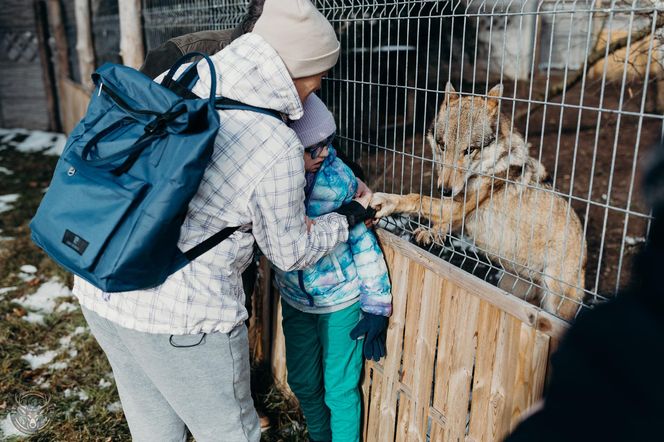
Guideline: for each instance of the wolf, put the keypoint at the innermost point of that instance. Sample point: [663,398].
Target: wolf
[495,193]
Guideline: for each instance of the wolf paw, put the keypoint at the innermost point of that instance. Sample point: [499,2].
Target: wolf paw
[423,236]
[384,203]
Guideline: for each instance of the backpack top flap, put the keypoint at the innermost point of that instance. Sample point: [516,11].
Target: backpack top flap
[121,188]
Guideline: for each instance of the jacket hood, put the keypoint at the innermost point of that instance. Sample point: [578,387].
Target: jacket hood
[250,70]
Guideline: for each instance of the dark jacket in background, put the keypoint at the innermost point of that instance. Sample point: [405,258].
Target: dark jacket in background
[208,42]
[162,58]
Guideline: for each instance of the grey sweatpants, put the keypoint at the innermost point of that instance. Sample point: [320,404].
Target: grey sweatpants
[163,388]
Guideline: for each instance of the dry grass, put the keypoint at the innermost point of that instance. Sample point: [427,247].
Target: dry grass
[83,393]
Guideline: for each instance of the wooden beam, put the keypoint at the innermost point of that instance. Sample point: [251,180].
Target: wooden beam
[522,310]
[84,47]
[131,33]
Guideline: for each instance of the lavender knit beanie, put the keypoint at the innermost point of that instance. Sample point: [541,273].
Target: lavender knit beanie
[317,123]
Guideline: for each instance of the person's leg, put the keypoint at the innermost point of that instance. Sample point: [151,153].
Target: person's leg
[305,371]
[206,383]
[148,413]
[342,367]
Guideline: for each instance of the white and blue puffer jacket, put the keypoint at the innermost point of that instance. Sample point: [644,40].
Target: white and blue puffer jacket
[353,270]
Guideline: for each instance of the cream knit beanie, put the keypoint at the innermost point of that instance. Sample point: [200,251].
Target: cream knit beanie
[317,123]
[300,34]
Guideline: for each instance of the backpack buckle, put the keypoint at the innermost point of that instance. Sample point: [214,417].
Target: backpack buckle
[155,125]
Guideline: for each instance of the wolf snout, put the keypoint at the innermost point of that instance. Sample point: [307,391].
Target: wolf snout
[447,192]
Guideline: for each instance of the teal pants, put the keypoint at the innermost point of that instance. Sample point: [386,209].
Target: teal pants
[324,366]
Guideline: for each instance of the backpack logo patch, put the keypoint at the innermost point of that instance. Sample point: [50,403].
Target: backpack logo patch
[75,242]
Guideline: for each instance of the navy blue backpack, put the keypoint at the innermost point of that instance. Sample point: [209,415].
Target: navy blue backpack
[120,190]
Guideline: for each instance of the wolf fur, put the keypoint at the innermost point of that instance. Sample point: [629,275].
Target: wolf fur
[493,192]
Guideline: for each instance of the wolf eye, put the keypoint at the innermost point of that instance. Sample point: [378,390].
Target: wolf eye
[470,149]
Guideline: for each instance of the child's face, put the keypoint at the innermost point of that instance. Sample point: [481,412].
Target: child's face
[314,157]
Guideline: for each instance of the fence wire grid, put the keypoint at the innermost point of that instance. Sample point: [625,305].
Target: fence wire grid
[582,99]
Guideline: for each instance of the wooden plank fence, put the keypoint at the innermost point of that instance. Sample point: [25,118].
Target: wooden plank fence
[464,359]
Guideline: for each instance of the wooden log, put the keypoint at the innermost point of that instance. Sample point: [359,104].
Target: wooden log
[131,33]
[84,46]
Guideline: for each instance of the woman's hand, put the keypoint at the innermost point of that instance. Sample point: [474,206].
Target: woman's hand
[362,190]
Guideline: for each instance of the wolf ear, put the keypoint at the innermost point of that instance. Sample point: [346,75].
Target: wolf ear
[451,92]
[494,95]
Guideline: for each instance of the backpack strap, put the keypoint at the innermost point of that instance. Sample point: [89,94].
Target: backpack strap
[185,82]
[223,103]
[209,243]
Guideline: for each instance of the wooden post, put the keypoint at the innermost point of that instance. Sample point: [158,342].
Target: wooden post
[58,33]
[84,48]
[48,75]
[131,33]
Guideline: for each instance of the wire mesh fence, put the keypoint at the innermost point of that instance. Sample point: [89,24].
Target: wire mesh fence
[165,19]
[532,185]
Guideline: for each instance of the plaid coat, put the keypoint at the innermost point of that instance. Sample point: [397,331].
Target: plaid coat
[256,180]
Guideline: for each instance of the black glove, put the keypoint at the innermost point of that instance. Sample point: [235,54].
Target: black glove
[375,327]
[355,212]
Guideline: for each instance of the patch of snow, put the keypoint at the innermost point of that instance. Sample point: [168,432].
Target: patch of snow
[105,383]
[82,395]
[72,353]
[28,268]
[8,429]
[34,318]
[67,392]
[634,240]
[43,300]
[80,330]
[60,365]
[25,277]
[6,201]
[65,341]
[4,290]
[48,143]
[114,407]
[42,383]
[6,171]
[66,307]
[37,361]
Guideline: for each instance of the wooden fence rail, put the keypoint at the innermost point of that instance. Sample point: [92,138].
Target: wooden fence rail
[464,359]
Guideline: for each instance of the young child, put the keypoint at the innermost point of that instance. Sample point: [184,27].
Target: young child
[331,304]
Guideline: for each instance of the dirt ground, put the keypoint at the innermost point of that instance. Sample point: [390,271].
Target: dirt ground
[595,159]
